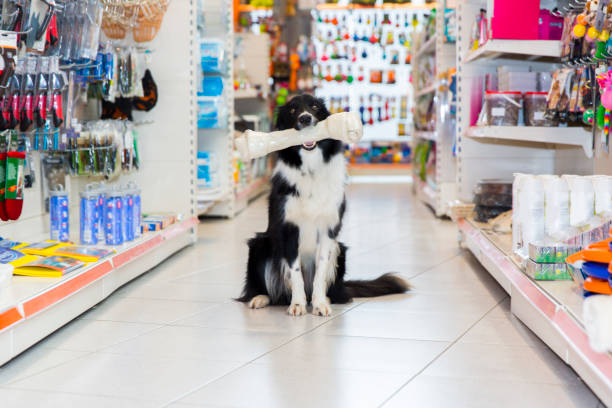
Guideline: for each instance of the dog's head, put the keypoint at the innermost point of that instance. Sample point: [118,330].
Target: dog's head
[300,112]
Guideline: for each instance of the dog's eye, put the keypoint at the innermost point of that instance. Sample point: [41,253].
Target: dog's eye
[315,107]
[292,111]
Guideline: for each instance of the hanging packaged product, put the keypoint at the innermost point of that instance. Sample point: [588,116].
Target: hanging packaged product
[59,225]
[3,157]
[15,177]
[28,86]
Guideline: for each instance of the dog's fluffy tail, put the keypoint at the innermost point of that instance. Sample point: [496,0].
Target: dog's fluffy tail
[386,284]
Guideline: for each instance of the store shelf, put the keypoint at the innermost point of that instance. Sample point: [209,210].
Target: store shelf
[32,308]
[426,193]
[211,195]
[250,93]
[426,90]
[407,6]
[429,46]
[552,310]
[573,136]
[424,134]
[204,207]
[387,169]
[500,48]
[254,189]
[247,8]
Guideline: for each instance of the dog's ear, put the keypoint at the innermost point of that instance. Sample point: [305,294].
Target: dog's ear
[282,117]
[322,113]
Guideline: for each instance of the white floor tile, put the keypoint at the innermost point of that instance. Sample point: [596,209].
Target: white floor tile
[235,315]
[12,398]
[399,325]
[261,385]
[212,292]
[442,392]
[355,353]
[149,378]
[506,330]
[144,310]
[202,342]
[33,361]
[502,363]
[93,335]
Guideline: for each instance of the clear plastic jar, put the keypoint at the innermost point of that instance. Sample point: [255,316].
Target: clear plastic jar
[534,106]
[503,108]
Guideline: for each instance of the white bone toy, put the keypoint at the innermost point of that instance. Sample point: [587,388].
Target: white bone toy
[344,126]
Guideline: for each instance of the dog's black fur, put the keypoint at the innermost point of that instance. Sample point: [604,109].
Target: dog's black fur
[280,243]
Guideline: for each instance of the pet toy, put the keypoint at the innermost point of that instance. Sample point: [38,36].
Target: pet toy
[344,126]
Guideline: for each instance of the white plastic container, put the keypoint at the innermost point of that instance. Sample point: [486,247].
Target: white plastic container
[602,185]
[556,206]
[582,199]
[529,210]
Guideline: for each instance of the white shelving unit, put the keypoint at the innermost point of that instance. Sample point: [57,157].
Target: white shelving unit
[32,308]
[437,193]
[498,152]
[227,199]
[531,48]
[568,136]
[552,310]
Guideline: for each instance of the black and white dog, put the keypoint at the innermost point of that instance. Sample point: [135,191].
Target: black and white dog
[299,257]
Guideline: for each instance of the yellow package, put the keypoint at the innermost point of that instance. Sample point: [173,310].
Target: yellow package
[45,248]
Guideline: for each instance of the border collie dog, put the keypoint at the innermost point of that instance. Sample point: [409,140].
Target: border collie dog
[299,258]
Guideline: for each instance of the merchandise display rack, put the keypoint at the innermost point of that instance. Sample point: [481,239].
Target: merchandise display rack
[219,24]
[30,307]
[551,309]
[33,308]
[229,199]
[439,192]
[493,152]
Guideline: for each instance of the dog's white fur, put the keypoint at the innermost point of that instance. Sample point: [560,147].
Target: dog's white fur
[321,189]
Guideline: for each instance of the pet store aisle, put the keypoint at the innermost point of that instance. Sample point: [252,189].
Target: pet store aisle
[175,338]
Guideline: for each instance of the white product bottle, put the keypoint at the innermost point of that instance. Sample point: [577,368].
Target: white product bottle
[531,212]
[582,199]
[602,185]
[556,206]
[516,208]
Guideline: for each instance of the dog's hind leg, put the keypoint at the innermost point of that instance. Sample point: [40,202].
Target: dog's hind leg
[255,293]
[337,292]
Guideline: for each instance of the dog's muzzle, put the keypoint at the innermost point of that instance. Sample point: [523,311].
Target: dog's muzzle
[305,120]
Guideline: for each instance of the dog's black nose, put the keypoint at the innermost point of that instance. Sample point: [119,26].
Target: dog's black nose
[305,120]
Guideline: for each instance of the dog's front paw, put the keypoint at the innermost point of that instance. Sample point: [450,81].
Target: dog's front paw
[321,307]
[259,301]
[297,309]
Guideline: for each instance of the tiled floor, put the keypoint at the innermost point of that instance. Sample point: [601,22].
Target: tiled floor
[175,338]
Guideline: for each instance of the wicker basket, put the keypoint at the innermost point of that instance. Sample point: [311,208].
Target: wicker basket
[146,30]
[114,30]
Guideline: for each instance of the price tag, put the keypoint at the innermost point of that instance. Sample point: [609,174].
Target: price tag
[498,111]
[8,39]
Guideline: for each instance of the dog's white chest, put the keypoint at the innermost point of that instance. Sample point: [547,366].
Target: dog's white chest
[320,187]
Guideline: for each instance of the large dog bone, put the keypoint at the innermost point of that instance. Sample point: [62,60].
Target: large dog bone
[344,126]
